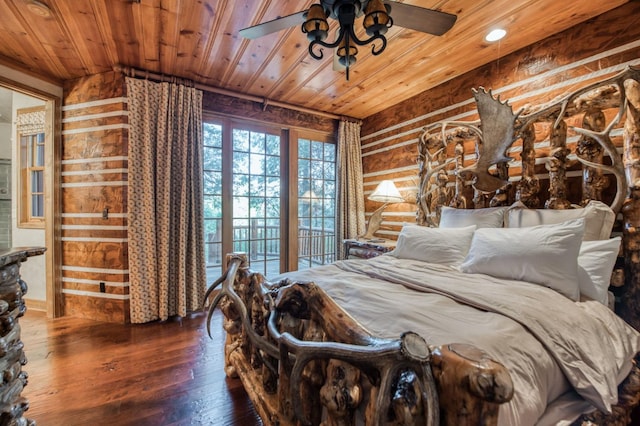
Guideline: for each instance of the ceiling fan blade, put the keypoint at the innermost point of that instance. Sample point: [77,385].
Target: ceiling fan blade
[421,19]
[269,27]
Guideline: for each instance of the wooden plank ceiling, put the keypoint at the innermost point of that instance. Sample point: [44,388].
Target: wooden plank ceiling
[198,40]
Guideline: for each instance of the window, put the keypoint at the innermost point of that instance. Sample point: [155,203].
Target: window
[316,203]
[256,198]
[248,172]
[31,149]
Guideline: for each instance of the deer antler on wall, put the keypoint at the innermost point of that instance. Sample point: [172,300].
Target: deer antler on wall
[498,123]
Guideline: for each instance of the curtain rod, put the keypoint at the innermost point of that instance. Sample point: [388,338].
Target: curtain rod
[132,72]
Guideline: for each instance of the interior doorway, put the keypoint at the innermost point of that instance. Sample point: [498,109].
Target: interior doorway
[38,272]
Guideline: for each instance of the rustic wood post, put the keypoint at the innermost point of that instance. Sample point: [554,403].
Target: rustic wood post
[557,167]
[630,307]
[313,377]
[341,393]
[470,385]
[459,201]
[593,180]
[529,186]
[432,161]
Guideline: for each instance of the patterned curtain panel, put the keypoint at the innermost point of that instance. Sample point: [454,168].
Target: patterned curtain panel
[350,194]
[165,216]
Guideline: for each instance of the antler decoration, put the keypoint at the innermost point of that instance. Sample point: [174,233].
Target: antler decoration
[427,170]
[619,82]
[498,122]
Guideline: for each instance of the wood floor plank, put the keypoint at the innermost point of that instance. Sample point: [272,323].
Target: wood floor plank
[160,374]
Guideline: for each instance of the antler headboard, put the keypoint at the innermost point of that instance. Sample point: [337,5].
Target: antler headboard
[564,153]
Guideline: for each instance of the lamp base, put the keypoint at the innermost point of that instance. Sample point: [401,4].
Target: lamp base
[374,223]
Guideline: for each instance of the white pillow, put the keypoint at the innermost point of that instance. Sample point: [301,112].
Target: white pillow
[595,264]
[598,217]
[545,255]
[492,217]
[446,246]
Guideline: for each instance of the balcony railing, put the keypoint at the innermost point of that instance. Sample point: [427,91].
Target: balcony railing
[260,241]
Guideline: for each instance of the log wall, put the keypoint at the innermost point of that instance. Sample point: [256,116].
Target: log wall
[94,185]
[563,62]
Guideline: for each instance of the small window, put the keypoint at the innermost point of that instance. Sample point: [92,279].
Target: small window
[31,139]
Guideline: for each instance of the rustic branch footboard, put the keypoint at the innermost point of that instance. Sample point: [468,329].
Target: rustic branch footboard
[304,360]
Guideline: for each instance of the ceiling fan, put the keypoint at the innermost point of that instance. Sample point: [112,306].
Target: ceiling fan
[377,20]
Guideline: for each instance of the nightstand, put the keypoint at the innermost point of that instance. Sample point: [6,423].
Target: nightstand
[366,249]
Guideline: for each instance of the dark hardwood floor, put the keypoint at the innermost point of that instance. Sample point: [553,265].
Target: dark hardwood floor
[83,372]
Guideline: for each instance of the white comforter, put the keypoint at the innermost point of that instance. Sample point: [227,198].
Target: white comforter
[554,348]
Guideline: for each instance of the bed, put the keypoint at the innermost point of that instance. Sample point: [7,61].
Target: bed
[497,307]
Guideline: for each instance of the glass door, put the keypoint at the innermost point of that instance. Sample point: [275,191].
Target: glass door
[212,175]
[316,203]
[256,193]
[269,194]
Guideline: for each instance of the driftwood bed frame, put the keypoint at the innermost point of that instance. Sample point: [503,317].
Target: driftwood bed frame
[303,360]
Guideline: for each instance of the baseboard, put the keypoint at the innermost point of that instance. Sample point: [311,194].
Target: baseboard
[36,305]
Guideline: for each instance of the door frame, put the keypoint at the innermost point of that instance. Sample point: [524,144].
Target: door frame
[52,94]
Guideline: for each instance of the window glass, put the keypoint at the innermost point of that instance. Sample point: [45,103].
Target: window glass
[316,203]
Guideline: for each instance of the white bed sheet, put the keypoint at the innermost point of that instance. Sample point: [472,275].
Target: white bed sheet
[369,289]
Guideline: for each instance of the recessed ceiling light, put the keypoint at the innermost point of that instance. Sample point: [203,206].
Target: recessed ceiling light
[495,35]
[38,8]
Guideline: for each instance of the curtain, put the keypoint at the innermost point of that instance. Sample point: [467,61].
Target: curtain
[350,193]
[165,202]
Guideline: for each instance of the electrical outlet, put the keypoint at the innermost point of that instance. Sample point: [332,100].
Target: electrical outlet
[103,287]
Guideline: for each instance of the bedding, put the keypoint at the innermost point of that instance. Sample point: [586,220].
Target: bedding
[492,217]
[544,254]
[599,218]
[595,264]
[575,353]
[437,245]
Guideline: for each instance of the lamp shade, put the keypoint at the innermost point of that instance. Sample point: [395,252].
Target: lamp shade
[386,192]
[316,26]
[376,20]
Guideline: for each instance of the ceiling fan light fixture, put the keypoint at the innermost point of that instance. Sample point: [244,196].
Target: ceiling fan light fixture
[316,26]
[376,22]
[347,55]
[495,35]
[376,19]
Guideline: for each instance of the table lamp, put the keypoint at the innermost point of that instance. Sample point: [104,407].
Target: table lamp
[386,192]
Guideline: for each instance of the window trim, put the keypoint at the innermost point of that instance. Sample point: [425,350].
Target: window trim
[24,182]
